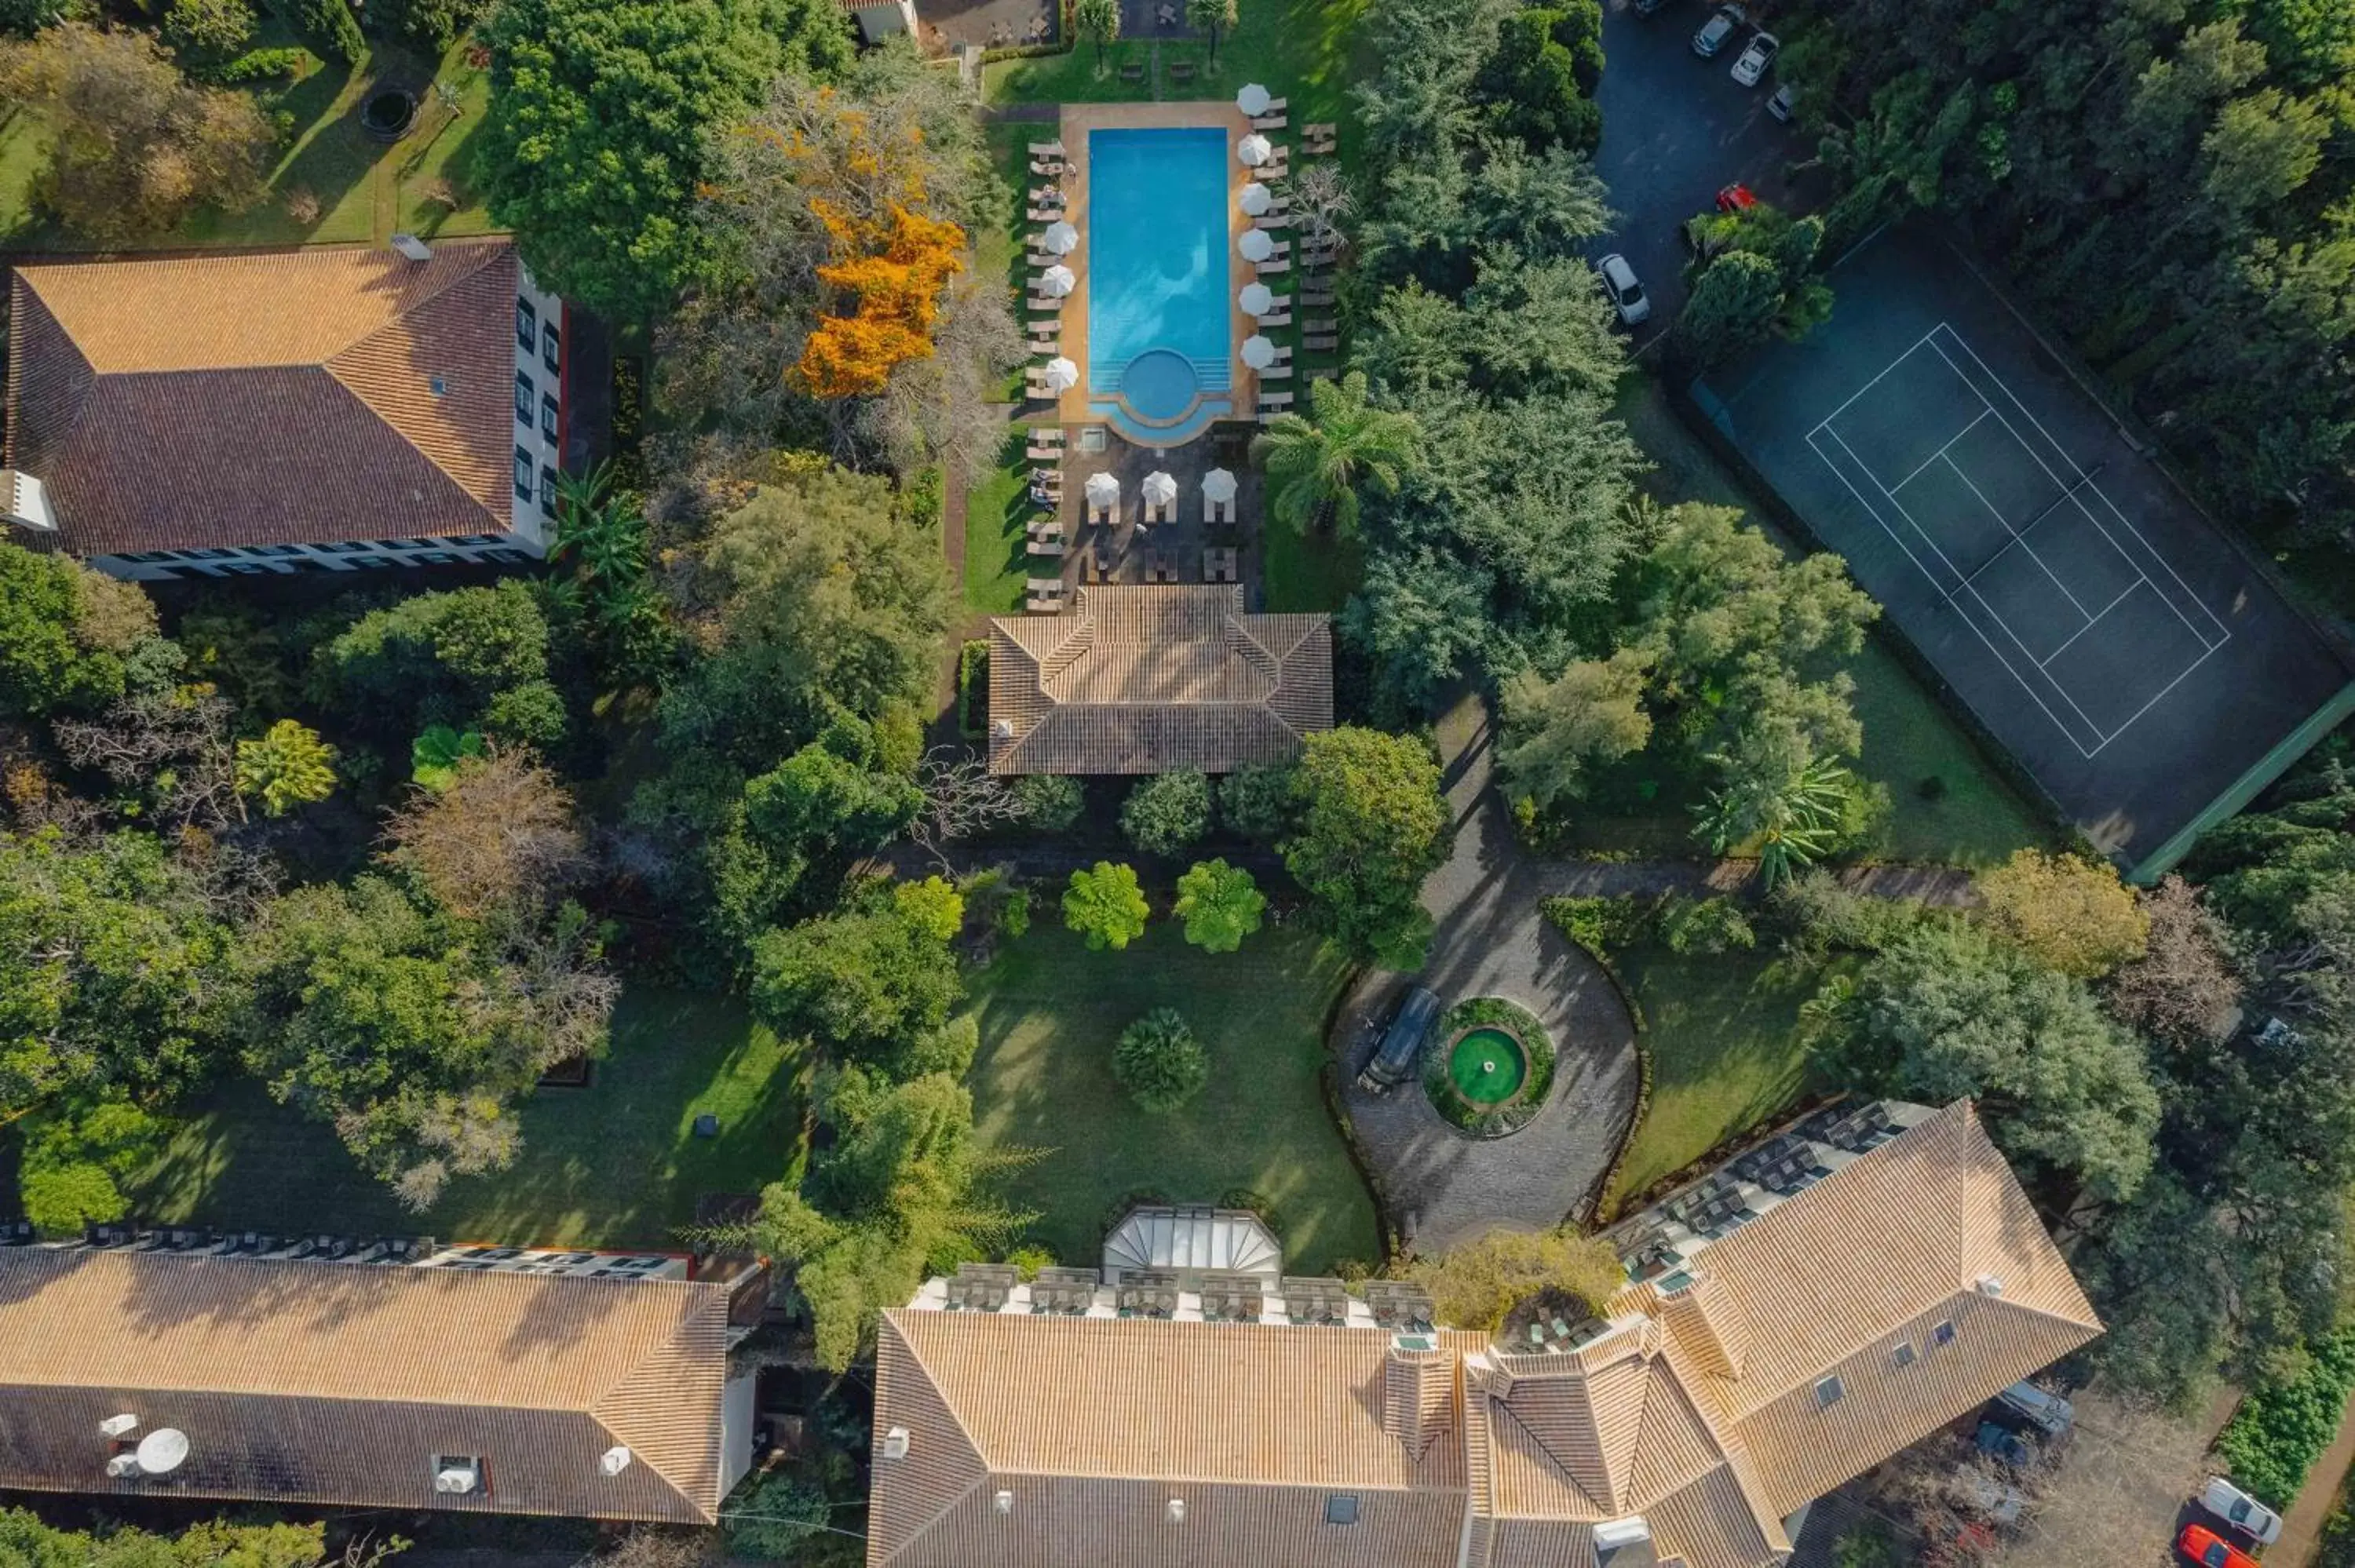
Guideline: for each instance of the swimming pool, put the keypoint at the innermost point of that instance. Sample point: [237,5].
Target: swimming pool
[1160,337]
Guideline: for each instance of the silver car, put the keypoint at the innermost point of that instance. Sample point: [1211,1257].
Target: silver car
[2241,1511]
[1757,59]
[1627,295]
[1716,30]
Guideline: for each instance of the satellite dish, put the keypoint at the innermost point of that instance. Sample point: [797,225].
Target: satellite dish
[162,1450]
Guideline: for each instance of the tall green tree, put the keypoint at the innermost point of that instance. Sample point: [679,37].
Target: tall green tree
[1793,820]
[287,766]
[1317,465]
[1220,904]
[599,123]
[69,638]
[470,658]
[1557,732]
[1373,826]
[1104,903]
[1098,21]
[1210,19]
[1165,813]
[868,983]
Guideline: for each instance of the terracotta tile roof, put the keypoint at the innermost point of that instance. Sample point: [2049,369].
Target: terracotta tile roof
[266,397]
[336,1383]
[1150,679]
[1698,1412]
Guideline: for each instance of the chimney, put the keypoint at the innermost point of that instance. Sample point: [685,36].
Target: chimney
[412,249]
[1708,1323]
[1418,1393]
[24,502]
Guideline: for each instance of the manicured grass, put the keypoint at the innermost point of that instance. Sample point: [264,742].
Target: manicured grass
[997,554]
[1723,1037]
[364,190]
[1304,573]
[614,1163]
[1050,1012]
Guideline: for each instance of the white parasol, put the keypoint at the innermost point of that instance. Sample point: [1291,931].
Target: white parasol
[1257,245]
[1056,281]
[1103,490]
[1257,299]
[1218,485]
[1061,238]
[1255,199]
[1259,351]
[1254,150]
[1061,373]
[1158,489]
[1252,99]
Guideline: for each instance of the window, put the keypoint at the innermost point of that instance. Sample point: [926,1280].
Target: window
[1944,1334]
[438,384]
[370,563]
[506,558]
[524,392]
[344,547]
[276,549]
[1341,1507]
[526,326]
[547,348]
[547,415]
[523,474]
[1829,1392]
[1903,1356]
[547,490]
[475,539]
[205,554]
[432,558]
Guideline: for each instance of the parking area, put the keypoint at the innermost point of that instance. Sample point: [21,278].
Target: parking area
[1677,129]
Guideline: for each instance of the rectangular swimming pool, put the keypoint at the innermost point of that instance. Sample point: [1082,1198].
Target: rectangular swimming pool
[1158,317]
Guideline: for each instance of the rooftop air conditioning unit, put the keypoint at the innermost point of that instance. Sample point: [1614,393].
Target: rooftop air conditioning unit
[117,1425]
[615,1460]
[895,1443]
[456,1480]
[123,1465]
[1989,1285]
[1612,1534]
[1177,1511]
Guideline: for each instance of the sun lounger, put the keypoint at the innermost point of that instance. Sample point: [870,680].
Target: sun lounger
[1310,298]
[1267,123]
[1044,584]
[1319,128]
[1047,149]
[1276,372]
[1276,319]
[1047,196]
[1181,70]
[1132,73]
[1324,345]
[1050,167]
[1045,214]
[1320,324]
[1099,516]
[1274,222]
[1036,388]
[1273,267]
[1039,453]
[1275,400]
[1047,435]
[1049,549]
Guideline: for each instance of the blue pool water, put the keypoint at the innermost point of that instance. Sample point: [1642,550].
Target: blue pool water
[1157,273]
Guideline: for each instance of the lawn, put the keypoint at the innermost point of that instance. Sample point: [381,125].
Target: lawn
[996,552]
[1304,573]
[331,183]
[1726,1056]
[1049,1013]
[616,1163]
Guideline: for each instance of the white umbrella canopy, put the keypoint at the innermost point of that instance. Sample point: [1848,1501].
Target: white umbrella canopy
[1218,485]
[1255,199]
[1061,373]
[1253,99]
[1158,489]
[1259,351]
[1257,245]
[1257,299]
[1254,150]
[1061,238]
[1056,281]
[1103,489]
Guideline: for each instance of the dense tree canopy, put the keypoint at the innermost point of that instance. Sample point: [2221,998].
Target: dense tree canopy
[864,983]
[1475,1285]
[1371,826]
[69,638]
[471,657]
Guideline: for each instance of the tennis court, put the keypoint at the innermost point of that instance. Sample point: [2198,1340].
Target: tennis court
[2124,652]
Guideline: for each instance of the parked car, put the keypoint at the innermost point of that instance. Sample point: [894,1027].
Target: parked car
[1646,7]
[2241,1511]
[1716,30]
[2208,1549]
[1784,101]
[1994,1502]
[1402,1043]
[2001,1443]
[1736,198]
[1757,59]
[1619,281]
[2024,1407]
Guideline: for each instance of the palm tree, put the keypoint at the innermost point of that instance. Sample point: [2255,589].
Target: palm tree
[1316,466]
[1209,16]
[1793,820]
[1099,20]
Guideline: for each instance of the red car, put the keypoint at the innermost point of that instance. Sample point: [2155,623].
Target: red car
[1736,198]
[2209,1550]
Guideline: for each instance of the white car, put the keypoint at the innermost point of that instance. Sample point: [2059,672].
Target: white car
[1784,102]
[1626,294]
[1716,30]
[1756,58]
[2241,1511]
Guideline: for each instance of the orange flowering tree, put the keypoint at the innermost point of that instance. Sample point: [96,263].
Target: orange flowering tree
[894,270]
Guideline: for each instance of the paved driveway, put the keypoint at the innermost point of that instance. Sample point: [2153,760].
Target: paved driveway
[1675,130]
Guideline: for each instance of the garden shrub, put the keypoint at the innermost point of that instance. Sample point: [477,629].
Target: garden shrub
[2274,1439]
[262,65]
[1603,924]
[1710,925]
[1160,1061]
[1251,1201]
[1051,802]
[1257,802]
[973,689]
[1823,917]
[1166,813]
[329,24]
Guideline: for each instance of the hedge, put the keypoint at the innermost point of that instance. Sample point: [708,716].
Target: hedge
[2274,1439]
[973,689]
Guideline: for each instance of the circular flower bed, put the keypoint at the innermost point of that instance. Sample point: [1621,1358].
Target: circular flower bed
[1488,1066]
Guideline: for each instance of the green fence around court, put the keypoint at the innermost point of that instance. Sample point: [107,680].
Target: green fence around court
[2246,787]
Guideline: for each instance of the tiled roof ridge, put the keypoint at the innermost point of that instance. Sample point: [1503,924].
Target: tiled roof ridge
[940,1391]
[611,1410]
[1665,1384]
[19,339]
[498,523]
[1552,1461]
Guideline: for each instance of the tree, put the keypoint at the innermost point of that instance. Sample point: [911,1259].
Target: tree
[1105,905]
[214,29]
[68,637]
[1220,904]
[134,148]
[1050,802]
[1732,305]
[599,128]
[963,798]
[288,766]
[1795,820]
[25,1540]
[75,1159]
[1478,1284]
[500,841]
[1165,813]
[1948,1011]
[1316,466]
[2183,990]
[1160,1061]
[329,26]
[1557,731]
[1209,18]
[1258,801]
[470,658]
[1532,80]
[866,982]
[797,832]
[434,24]
[1098,20]
[2066,913]
[1373,826]
[602,534]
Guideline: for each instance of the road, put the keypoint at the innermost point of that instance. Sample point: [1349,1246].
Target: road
[1675,130]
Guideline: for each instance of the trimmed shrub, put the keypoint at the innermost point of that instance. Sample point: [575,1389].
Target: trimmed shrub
[1051,802]
[1705,925]
[329,25]
[1160,1061]
[1602,925]
[262,65]
[1166,813]
[2274,1439]
[973,689]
